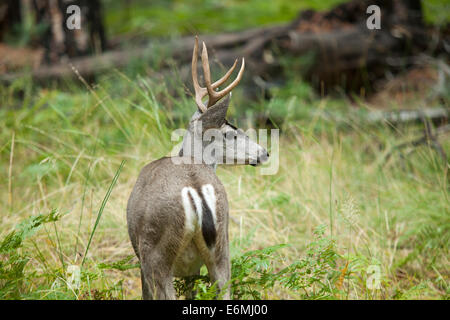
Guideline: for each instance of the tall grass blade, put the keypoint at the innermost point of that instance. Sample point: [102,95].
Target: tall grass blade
[102,207]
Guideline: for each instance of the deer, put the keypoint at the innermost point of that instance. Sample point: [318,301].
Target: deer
[178,212]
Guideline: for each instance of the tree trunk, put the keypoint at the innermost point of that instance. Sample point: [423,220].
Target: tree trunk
[10,17]
[61,39]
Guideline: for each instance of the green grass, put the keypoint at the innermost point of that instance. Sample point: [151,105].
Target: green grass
[62,149]
[181,17]
[176,17]
[437,11]
[335,212]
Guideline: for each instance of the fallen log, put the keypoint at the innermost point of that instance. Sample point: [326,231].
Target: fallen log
[437,115]
[179,50]
[405,116]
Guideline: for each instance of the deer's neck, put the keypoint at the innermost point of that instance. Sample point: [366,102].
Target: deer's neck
[185,152]
[193,147]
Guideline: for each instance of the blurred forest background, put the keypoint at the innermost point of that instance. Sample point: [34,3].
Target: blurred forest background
[359,208]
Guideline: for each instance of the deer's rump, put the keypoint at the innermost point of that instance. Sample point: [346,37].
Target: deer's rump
[176,210]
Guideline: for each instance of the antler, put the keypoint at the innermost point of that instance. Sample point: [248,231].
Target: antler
[213,95]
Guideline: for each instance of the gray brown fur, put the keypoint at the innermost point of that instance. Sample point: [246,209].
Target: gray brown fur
[161,203]
[156,226]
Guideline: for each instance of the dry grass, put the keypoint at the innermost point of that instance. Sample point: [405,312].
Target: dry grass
[61,151]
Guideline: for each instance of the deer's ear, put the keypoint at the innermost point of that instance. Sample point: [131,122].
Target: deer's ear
[214,116]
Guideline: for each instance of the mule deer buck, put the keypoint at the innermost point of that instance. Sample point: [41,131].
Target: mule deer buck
[177,213]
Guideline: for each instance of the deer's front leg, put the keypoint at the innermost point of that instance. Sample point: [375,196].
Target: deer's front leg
[191,292]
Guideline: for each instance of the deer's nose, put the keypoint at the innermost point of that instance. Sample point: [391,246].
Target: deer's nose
[264,157]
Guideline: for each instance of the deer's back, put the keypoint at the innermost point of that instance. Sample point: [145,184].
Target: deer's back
[155,210]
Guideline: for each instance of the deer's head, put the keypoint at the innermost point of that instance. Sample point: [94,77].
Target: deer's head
[223,142]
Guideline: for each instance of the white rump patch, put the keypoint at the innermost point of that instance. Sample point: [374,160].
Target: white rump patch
[192,217]
[210,198]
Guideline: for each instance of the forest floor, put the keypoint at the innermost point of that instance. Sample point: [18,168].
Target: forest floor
[348,215]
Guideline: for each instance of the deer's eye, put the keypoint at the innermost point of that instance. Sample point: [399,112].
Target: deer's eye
[231,135]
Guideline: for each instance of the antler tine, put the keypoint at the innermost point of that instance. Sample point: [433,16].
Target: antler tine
[219,82]
[213,95]
[199,91]
[232,85]
[207,74]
